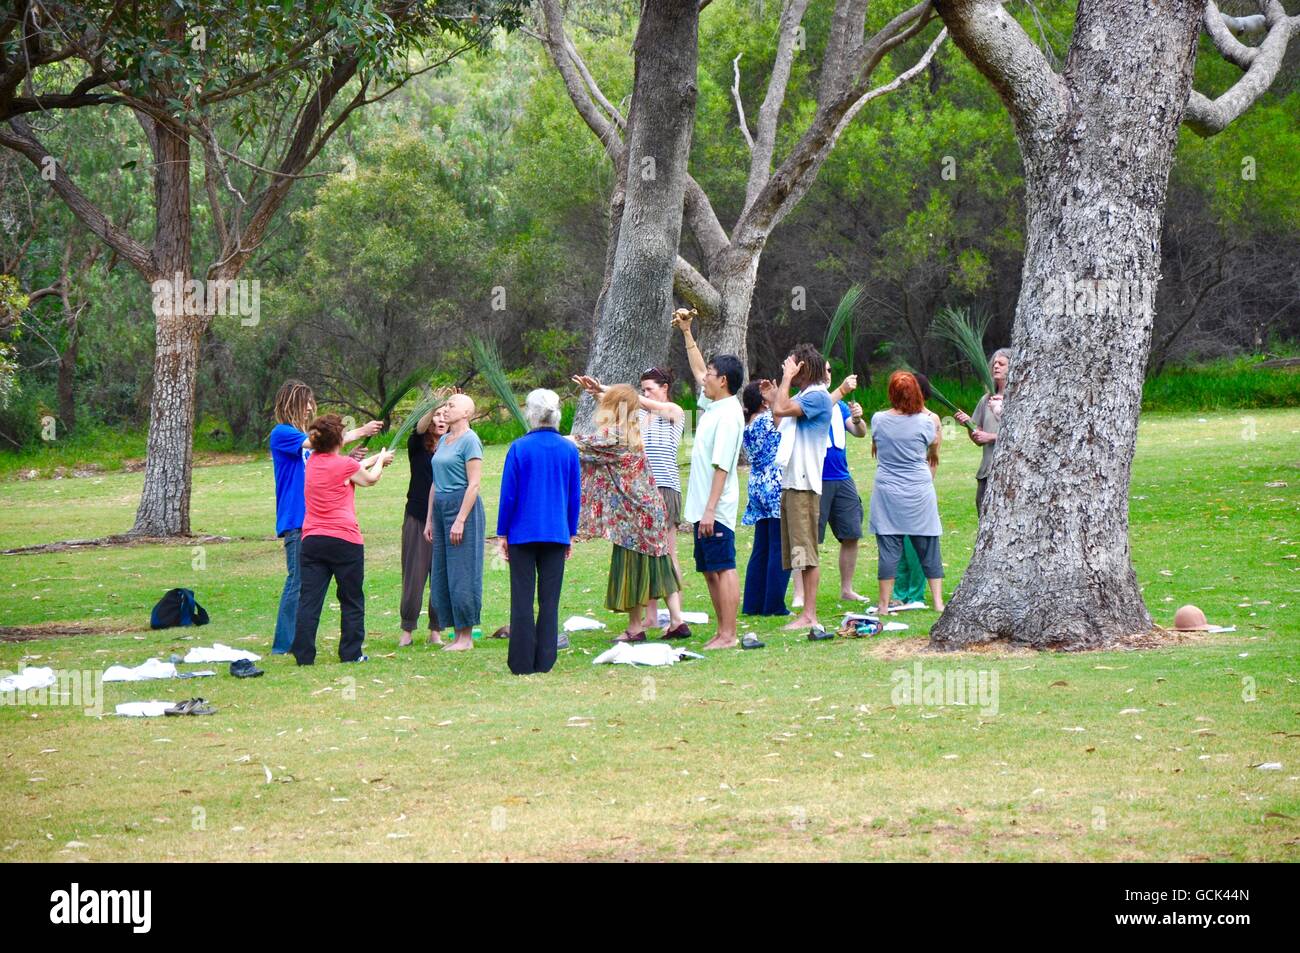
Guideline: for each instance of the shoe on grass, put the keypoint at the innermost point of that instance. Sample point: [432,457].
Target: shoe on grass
[683,631]
[562,642]
[752,642]
[243,668]
[818,634]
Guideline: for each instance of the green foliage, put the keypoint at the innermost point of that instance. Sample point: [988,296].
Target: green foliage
[966,333]
[488,361]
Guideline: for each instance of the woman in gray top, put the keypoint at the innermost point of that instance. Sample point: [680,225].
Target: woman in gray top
[903,503]
[988,420]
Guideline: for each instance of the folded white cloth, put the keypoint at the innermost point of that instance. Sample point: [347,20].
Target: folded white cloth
[28,678]
[581,623]
[1222,628]
[154,668]
[142,709]
[643,653]
[894,627]
[910,605]
[694,618]
[219,653]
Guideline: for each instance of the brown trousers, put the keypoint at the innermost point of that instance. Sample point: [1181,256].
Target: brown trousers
[417,557]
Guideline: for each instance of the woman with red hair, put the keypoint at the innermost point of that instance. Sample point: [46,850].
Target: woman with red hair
[903,503]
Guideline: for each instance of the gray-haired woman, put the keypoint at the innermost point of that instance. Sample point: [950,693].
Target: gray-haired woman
[988,420]
[541,488]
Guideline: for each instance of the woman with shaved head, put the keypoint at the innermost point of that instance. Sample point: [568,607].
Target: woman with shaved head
[455,524]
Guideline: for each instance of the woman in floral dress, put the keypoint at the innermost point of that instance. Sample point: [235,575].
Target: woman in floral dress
[621,503]
[765,579]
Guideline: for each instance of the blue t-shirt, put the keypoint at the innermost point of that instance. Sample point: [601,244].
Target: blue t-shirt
[289,463]
[836,466]
[449,461]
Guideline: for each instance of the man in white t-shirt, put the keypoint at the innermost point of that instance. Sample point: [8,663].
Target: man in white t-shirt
[713,490]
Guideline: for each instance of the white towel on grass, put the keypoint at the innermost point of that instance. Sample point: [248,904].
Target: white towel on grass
[154,668]
[27,679]
[694,618]
[219,653]
[643,653]
[581,623]
[142,709]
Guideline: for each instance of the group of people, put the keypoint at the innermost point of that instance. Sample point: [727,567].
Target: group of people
[621,481]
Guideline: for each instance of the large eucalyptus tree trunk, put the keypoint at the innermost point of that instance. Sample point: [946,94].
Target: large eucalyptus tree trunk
[633,313]
[1052,565]
[164,508]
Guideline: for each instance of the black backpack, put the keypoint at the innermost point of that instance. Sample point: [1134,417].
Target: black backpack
[178,607]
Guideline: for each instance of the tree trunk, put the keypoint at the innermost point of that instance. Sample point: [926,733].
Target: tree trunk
[734,274]
[633,313]
[165,500]
[1051,567]
[68,376]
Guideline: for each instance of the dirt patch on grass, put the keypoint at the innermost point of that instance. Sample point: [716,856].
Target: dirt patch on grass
[123,539]
[1157,638]
[203,458]
[59,630]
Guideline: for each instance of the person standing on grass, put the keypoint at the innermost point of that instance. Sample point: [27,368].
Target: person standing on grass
[988,420]
[537,521]
[456,526]
[662,423]
[765,578]
[295,406]
[909,583]
[417,552]
[841,505]
[332,546]
[620,503]
[801,479]
[713,491]
[903,502]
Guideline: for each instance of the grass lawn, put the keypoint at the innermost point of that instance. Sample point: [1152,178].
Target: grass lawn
[796,752]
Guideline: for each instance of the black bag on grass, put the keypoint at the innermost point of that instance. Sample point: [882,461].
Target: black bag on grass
[178,608]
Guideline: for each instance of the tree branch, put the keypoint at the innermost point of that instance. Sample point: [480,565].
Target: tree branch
[991,38]
[1207,117]
[21,139]
[693,287]
[764,144]
[740,106]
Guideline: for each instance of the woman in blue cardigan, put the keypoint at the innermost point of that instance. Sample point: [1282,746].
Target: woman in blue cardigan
[537,521]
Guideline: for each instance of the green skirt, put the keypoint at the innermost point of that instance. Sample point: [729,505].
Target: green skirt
[635,579]
[909,583]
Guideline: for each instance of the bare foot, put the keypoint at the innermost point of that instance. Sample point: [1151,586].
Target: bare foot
[435,638]
[405,639]
[461,643]
[938,607]
[801,621]
[851,596]
[797,604]
[722,642]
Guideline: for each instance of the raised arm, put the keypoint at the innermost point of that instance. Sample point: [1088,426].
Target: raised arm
[682,319]
[782,404]
[372,468]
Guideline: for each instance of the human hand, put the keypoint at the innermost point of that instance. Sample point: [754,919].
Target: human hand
[505,549]
[961,417]
[850,384]
[855,410]
[790,368]
[428,532]
[457,532]
[370,429]
[706,524]
[387,457]
[358,454]
[683,318]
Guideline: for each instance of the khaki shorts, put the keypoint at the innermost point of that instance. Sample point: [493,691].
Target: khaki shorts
[800,515]
[673,504]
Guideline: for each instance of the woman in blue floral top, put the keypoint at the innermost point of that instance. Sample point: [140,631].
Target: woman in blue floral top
[765,579]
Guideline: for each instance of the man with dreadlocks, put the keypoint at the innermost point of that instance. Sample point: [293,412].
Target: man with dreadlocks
[295,406]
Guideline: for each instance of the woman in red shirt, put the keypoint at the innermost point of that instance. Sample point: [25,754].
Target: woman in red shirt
[332,546]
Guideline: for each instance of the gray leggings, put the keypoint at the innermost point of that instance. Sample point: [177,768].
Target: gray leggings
[891,551]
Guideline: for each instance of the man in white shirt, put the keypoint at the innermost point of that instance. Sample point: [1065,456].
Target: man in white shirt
[713,490]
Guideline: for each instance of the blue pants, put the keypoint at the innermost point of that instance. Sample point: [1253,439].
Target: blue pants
[456,578]
[765,578]
[286,621]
